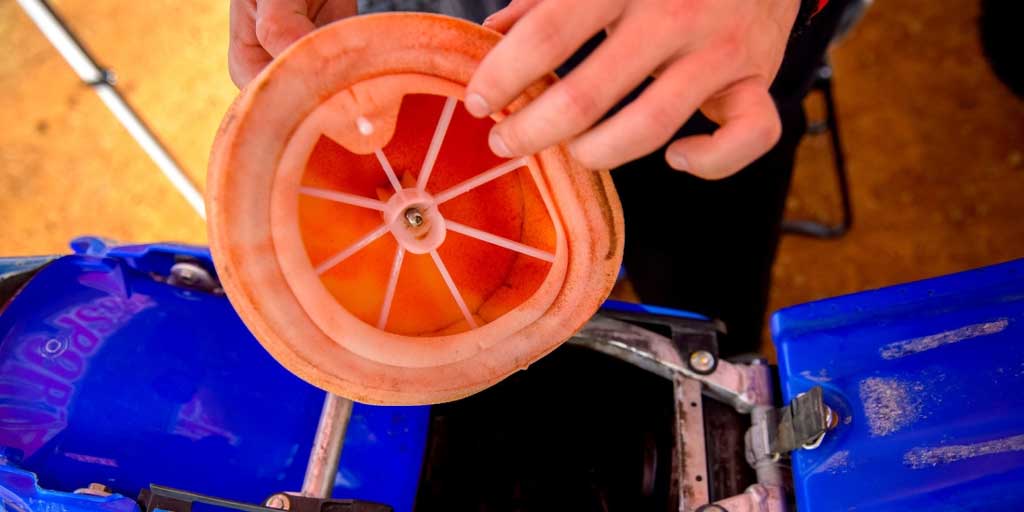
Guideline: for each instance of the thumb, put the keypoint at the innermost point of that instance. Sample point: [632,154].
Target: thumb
[279,23]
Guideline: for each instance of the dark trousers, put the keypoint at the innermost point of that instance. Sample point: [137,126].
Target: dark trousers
[708,246]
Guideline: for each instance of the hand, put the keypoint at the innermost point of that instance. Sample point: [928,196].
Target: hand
[262,29]
[716,55]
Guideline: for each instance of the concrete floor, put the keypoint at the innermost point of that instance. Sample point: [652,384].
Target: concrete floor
[935,143]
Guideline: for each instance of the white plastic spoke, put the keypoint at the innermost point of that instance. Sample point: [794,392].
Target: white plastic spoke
[329,263]
[342,197]
[451,287]
[389,295]
[484,177]
[383,159]
[435,143]
[491,238]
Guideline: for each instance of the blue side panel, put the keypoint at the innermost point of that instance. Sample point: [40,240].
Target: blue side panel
[19,492]
[109,375]
[383,455]
[632,307]
[928,379]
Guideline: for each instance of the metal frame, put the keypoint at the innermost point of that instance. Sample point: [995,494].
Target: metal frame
[101,81]
[326,452]
[745,387]
[814,228]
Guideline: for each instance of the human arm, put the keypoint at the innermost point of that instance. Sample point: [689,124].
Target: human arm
[718,56]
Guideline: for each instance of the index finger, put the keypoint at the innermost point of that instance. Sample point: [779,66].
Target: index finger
[543,39]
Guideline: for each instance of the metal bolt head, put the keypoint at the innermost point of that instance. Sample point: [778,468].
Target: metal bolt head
[278,501]
[52,347]
[702,361]
[188,274]
[414,218]
[831,418]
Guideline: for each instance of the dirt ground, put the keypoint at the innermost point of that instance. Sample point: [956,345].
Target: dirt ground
[935,144]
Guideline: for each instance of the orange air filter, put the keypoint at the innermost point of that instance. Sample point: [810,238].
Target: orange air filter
[370,239]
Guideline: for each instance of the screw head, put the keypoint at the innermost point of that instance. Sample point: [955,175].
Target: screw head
[702,361]
[53,347]
[188,277]
[414,218]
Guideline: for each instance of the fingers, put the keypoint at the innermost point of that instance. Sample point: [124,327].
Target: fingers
[649,121]
[503,20]
[261,29]
[246,56]
[334,10]
[244,63]
[750,127]
[574,104]
[537,44]
[279,23]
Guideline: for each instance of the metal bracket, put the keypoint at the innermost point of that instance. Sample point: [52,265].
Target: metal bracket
[694,369]
[802,423]
[175,500]
[297,503]
[690,450]
[742,386]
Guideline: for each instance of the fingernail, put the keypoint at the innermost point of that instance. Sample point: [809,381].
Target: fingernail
[498,145]
[487,22]
[477,105]
[677,161]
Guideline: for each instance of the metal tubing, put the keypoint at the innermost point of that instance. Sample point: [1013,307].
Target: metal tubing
[330,436]
[767,467]
[98,79]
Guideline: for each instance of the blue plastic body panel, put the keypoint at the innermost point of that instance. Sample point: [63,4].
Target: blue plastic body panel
[109,375]
[632,307]
[928,379]
[19,492]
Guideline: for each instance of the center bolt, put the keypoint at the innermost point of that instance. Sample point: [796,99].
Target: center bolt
[413,217]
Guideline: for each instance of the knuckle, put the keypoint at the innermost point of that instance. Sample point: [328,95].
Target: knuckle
[268,32]
[732,50]
[546,34]
[264,30]
[578,103]
[588,158]
[677,13]
[663,121]
[515,137]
